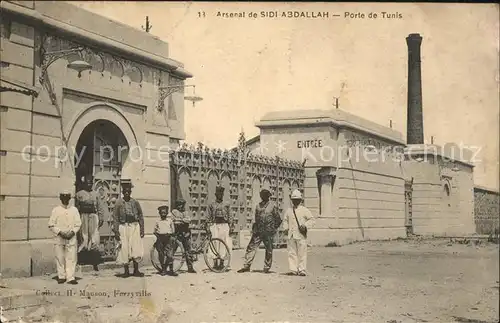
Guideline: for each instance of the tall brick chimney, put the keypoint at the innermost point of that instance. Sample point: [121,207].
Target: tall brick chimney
[414,122]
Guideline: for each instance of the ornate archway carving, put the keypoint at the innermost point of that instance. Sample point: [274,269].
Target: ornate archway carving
[112,113]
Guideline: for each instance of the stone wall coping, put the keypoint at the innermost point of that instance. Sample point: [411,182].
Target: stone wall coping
[53,14]
[336,118]
[437,150]
[486,189]
[8,84]
[326,171]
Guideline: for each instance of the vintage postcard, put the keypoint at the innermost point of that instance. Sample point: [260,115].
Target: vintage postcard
[249,162]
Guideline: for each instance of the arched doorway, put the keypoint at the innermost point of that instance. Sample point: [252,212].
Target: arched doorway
[101,151]
[447,192]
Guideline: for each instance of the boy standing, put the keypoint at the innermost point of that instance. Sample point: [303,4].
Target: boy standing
[164,232]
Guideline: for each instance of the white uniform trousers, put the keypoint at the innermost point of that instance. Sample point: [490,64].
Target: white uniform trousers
[89,232]
[221,231]
[297,255]
[130,246]
[66,260]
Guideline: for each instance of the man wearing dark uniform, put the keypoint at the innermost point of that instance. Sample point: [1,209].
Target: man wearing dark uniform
[129,230]
[92,211]
[267,222]
[183,231]
[220,222]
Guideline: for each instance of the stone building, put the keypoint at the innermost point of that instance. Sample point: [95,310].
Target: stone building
[354,197]
[81,95]
[363,181]
[487,210]
[72,82]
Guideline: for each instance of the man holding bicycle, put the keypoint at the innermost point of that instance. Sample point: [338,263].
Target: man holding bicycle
[220,222]
[183,231]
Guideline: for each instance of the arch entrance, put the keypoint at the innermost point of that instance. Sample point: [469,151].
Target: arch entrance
[100,153]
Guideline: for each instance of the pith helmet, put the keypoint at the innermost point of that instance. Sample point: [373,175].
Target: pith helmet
[296,195]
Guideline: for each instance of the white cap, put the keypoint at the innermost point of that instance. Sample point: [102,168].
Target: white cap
[65,192]
[296,195]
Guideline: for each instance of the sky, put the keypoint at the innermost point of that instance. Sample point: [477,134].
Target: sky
[246,67]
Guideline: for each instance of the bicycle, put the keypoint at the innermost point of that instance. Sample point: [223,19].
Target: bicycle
[215,253]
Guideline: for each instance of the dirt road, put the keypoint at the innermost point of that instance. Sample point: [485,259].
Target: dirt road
[398,281]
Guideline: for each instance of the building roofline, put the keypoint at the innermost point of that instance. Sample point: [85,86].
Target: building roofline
[487,189]
[436,150]
[93,39]
[253,140]
[9,85]
[248,142]
[336,118]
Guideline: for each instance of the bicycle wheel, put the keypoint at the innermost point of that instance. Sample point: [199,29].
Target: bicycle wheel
[178,257]
[217,256]
[155,258]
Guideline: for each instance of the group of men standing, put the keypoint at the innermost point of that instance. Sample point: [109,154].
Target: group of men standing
[76,229]
[176,226]
[295,222]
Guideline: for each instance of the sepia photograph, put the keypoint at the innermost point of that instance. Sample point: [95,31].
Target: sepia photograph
[169,161]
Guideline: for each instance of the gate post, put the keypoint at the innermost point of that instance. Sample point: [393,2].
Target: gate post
[242,153]
[408,207]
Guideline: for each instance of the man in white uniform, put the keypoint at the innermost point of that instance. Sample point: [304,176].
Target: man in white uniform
[296,222]
[65,223]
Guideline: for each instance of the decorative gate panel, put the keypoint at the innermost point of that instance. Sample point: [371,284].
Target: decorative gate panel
[196,171]
[408,207]
[106,173]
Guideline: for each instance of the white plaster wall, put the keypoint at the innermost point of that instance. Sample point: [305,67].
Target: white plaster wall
[434,213]
[15,123]
[283,142]
[368,194]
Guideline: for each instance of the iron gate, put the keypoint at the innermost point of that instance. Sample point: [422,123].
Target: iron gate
[196,171]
